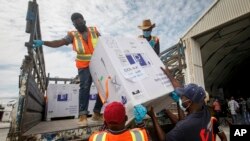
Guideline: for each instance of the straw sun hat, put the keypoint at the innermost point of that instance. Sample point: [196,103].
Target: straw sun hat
[146,24]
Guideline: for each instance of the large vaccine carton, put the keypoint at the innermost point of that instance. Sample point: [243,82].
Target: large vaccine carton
[128,70]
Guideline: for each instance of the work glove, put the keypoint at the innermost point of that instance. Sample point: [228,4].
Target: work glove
[37,43]
[174,96]
[139,112]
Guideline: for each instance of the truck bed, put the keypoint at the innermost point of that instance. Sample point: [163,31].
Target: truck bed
[59,125]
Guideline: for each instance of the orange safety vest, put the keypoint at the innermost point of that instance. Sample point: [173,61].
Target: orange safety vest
[84,49]
[135,134]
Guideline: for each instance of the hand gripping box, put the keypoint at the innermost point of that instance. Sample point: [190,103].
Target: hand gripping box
[128,70]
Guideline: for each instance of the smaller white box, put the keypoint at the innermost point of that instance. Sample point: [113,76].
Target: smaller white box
[92,99]
[62,100]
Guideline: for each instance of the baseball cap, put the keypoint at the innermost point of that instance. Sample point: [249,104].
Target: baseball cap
[114,113]
[193,92]
[75,16]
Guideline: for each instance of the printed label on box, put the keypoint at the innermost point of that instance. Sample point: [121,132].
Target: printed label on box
[133,73]
[62,97]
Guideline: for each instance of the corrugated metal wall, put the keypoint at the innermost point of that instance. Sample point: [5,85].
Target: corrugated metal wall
[221,12]
[194,63]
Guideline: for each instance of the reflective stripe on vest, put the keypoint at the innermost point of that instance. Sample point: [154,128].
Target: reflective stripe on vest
[137,135]
[100,137]
[94,36]
[79,46]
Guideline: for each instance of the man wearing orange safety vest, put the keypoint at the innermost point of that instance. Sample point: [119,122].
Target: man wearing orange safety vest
[114,120]
[147,28]
[84,40]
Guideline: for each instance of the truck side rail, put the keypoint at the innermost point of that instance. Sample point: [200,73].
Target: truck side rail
[174,58]
[32,80]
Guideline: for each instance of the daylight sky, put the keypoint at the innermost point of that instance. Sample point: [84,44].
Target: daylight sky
[112,17]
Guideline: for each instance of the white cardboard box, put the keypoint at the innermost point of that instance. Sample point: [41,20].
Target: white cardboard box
[62,100]
[92,99]
[67,107]
[134,71]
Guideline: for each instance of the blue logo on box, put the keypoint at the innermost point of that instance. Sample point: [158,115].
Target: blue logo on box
[124,100]
[130,59]
[138,57]
[93,97]
[62,97]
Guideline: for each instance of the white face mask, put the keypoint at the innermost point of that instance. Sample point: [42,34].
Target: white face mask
[181,105]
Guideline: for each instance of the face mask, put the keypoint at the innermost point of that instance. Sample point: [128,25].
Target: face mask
[146,33]
[183,108]
[80,26]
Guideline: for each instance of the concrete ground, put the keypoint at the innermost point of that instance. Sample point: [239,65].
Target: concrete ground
[3,133]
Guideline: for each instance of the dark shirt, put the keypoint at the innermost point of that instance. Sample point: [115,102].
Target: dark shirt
[156,46]
[217,128]
[193,127]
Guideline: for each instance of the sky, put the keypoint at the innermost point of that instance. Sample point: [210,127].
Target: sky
[111,17]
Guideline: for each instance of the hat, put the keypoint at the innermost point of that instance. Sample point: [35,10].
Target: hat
[146,24]
[114,113]
[75,16]
[193,92]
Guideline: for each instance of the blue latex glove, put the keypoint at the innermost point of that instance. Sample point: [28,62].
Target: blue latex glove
[37,43]
[174,96]
[139,112]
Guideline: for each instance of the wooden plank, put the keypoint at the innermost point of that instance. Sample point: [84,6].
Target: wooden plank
[34,91]
[31,117]
[59,125]
[33,105]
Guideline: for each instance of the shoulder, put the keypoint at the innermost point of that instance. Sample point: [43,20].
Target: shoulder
[96,134]
[71,33]
[138,130]
[156,38]
[94,29]
[141,131]
[177,133]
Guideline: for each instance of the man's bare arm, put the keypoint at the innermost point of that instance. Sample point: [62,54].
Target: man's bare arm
[56,43]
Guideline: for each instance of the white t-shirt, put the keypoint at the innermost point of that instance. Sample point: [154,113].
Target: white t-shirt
[233,105]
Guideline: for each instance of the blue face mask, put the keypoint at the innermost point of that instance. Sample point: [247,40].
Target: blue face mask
[146,33]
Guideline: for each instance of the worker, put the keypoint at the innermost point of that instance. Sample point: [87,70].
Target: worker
[147,28]
[115,119]
[217,129]
[197,125]
[84,40]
